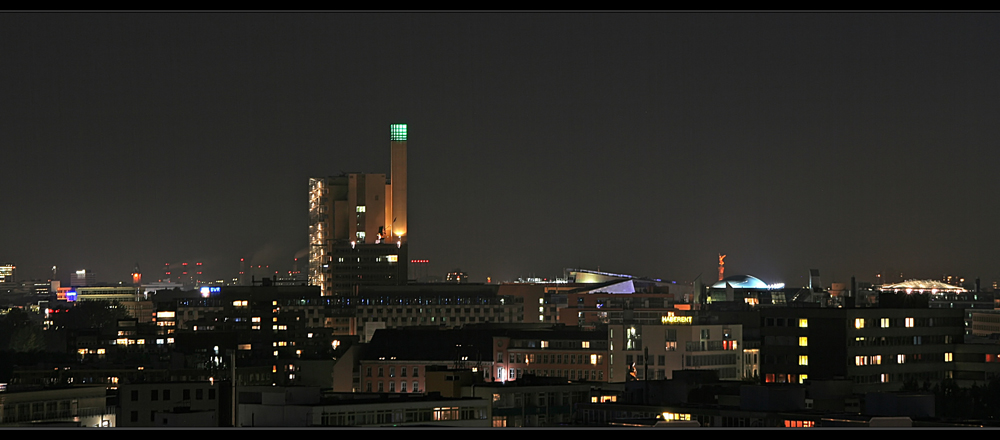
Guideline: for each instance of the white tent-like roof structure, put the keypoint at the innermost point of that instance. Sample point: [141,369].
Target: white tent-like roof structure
[921,286]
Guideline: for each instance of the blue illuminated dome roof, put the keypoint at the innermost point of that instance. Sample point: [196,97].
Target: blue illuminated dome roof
[741,282]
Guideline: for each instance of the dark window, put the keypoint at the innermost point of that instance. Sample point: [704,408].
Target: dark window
[187,394]
[211,394]
[154,394]
[199,394]
[135,416]
[152,416]
[166,394]
[135,396]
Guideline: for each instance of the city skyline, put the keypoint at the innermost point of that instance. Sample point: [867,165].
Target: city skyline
[638,143]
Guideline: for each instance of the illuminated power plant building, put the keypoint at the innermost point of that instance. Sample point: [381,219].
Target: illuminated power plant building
[358,226]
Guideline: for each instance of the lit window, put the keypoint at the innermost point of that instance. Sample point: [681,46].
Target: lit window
[885,322]
[803,341]
[361,208]
[803,377]
[674,416]
[586,344]
[545,344]
[885,378]
[859,323]
[877,359]
[909,322]
[948,357]
[803,360]
[803,323]
[900,358]
[859,361]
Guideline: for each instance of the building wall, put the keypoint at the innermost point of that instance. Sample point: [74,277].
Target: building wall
[582,358]
[77,403]
[531,405]
[879,349]
[447,316]
[139,403]
[675,347]
[395,376]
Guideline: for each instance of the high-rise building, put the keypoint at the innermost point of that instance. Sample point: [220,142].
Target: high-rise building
[358,226]
[7,273]
[83,278]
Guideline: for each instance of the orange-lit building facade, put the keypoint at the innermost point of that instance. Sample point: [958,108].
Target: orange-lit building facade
[358,226]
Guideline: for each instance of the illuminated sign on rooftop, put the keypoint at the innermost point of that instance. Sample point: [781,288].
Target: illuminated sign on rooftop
[397,132]
[207,291]
[676,320]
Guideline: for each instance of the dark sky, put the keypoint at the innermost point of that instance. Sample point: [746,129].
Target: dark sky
[639,143]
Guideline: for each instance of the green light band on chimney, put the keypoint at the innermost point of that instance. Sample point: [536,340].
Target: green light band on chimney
[397,132]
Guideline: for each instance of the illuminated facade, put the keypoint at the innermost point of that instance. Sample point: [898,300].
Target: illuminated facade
[441,306]
[358,226]
[83,278]
[879,349]
[922,286]
[396,360]
[6,273]
[653,352]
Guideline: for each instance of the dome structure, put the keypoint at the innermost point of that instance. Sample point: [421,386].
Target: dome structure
[741,282]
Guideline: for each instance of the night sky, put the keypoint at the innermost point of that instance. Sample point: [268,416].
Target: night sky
[636,143]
